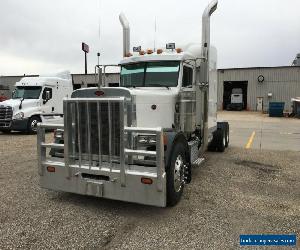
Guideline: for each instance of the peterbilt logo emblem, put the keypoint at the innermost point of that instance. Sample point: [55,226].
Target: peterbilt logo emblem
[99,93]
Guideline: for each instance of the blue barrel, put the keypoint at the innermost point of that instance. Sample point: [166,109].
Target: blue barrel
[276,109]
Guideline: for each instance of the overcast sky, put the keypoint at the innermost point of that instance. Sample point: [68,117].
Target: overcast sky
[38,37]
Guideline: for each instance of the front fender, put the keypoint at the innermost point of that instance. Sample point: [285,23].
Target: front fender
[172,138]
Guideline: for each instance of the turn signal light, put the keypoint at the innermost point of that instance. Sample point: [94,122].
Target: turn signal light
[146,181]
[165,138]
[51,169]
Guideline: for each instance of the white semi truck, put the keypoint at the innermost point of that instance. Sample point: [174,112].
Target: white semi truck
[35,99]
[236,100]
[138,142]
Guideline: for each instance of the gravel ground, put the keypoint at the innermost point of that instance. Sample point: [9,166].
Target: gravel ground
[238,192]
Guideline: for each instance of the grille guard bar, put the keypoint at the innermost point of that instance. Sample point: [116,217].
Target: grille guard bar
[126,135]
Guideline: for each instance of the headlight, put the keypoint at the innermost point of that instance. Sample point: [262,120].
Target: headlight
[19,115]
[147,139]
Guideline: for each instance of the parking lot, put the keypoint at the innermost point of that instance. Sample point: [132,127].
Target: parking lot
[259,131]
[252,188]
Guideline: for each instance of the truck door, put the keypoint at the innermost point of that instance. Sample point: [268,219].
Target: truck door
[187,100]
[48,105]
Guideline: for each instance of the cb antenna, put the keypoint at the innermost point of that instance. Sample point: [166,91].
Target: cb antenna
[154,45]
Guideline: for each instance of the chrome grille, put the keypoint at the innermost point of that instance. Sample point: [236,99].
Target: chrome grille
[6,113]
[94,128]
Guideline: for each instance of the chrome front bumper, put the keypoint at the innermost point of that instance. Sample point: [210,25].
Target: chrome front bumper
[75,180]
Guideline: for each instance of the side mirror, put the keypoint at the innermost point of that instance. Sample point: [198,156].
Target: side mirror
[47,97]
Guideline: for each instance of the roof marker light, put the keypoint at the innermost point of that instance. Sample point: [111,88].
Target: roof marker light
[179,50]
[159,51]
[149,51]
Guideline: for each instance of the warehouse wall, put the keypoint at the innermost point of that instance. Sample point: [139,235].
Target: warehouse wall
[282,82]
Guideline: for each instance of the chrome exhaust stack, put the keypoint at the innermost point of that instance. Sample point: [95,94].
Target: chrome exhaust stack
[126,34]
[210,9]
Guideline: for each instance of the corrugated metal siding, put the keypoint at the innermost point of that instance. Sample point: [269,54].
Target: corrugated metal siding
[283,83]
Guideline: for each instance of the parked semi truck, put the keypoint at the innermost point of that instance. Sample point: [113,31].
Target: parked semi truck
[138,142]
[35,99]
[236,100]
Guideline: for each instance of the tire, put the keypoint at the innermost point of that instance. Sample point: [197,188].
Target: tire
[227,133]
[175,174]
[220,140]
[32,124]
[5,131]
[225,127]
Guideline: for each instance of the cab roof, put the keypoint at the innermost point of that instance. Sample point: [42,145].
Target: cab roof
[190,52]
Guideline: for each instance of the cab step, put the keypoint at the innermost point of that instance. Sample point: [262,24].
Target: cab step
[198,162]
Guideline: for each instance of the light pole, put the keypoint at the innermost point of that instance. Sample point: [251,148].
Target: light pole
[98,55]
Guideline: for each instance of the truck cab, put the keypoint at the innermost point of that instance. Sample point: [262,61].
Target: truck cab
[33,100]
[138,142]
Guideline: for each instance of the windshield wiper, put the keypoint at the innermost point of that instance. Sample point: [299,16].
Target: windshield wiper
[160,85]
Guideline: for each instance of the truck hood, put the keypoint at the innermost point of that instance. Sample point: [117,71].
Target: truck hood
[15,103]
[155,107]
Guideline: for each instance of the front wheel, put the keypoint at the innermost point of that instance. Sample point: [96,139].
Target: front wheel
[175,174]
[5,131]
[32,124]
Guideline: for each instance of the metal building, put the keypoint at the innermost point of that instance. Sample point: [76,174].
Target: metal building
[260,86]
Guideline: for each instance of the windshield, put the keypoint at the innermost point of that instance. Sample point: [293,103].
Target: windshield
[150,74]
[27,92]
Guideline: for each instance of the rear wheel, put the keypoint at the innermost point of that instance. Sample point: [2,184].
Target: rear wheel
[32,124]
[175,174]
[227,135]
[221,140]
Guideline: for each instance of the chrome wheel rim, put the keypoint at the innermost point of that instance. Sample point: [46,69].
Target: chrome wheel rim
[178,173]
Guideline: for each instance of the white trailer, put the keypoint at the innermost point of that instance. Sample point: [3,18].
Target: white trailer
[35,99]
[138,142]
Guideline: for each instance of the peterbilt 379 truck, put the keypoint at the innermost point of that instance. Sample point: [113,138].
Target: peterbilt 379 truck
[138,142]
